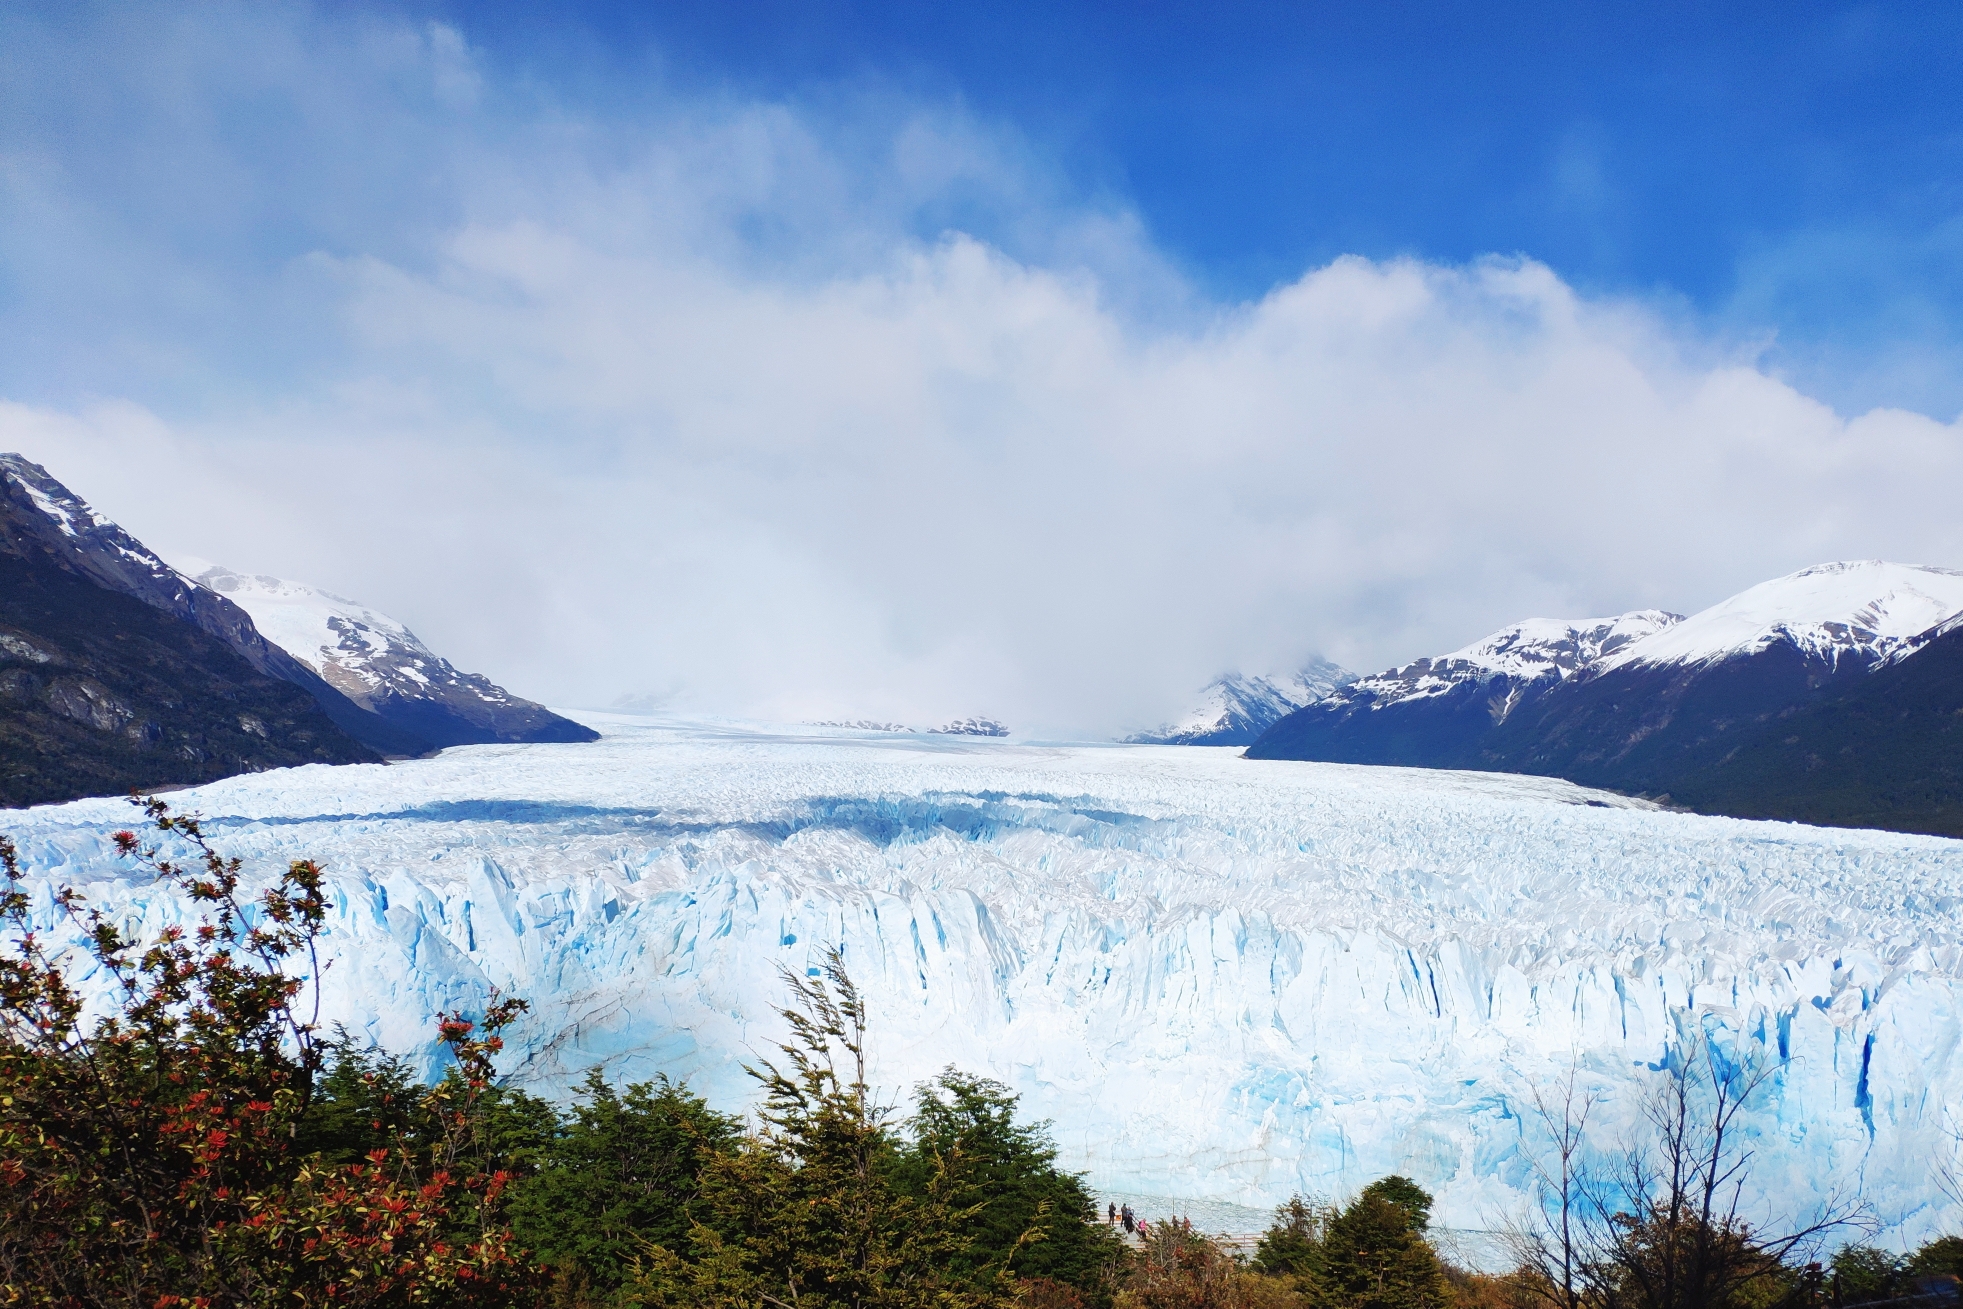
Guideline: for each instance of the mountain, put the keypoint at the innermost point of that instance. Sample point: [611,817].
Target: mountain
[974,726]
[1888,752]
[1699,713]
[1235,709]
[379,664]
[1438,712]
[1817,696]
[1218,979]
[47,520]
[101,691]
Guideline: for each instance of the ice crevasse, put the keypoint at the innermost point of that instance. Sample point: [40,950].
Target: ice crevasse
[1218,978]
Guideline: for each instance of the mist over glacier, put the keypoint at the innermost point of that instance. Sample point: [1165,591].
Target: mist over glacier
[1220,978]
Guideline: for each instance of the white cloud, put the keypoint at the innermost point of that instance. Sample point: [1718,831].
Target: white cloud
[700,399]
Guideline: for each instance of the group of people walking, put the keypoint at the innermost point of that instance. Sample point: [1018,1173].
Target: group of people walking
[1117,1214]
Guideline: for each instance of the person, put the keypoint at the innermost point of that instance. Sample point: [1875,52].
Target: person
[1144,1229]
[1125,1214]
[1112,1216]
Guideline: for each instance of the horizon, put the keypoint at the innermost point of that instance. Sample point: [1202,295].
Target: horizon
[912,370]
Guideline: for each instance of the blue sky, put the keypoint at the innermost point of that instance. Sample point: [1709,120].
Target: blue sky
[1793,173]
[809,360]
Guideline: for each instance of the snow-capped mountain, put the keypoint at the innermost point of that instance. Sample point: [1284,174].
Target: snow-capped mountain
[1536,653]
[46,520]
[1859,612]
[1434,712]
[1652,704]
[380,665]
[973,726]
[1218,979]
[1235,709]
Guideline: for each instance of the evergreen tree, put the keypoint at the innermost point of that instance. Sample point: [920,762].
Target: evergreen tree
[1292,1246]
[623,1171]
[805,1213]
[1031,1217]
[1374,1254]
[1940,1257]
[1863,1275]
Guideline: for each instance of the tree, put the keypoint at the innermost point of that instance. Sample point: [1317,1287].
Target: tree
[624,1170]
[1665,1227]
[1374,1254]
[1864,1275]
[1031,1217]
[148,1157]
[1548,1246]
[1175,1268]
[1292,1245]
[1942,1257]
[805,1213]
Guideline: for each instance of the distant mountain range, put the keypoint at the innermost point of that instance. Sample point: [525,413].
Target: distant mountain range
[1235,709]
[118,671]
[1833,695]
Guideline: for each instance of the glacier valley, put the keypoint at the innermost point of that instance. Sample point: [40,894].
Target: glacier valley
[1221,979]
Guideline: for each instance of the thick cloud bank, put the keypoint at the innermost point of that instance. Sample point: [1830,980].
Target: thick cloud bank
[850,409]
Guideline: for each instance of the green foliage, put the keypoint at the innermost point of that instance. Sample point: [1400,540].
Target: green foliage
[1942,1256]
[1863,1274]
[1292,1246]
[1030,1216]
[806,1212]
[367,1099]
[1406,1195]
[1371,1254]
[150,1158]
[623,1170]
[1374,1254]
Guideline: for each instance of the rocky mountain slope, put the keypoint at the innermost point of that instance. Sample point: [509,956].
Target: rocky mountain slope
[380,665]
[1708,712]
[47,520]
[1235,709]
[1438,712]
[100,692]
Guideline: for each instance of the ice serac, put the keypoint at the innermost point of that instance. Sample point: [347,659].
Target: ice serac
[46,519]
[379,664]
[1438,712]
[1219,979]
[1235,708]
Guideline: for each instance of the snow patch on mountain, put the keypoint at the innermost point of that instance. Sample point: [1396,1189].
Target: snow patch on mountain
[1219,979]
[1866,610]
[1235,708]
[363,653]
[1543,651]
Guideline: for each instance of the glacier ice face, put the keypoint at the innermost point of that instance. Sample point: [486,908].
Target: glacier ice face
[1220,978]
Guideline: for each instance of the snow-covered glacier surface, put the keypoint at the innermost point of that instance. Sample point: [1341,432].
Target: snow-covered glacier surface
[1220,978]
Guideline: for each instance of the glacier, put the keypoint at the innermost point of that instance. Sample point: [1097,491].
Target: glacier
[1221,979]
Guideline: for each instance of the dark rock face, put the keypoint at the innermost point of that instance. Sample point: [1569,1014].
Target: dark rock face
[1444,712]
[100,692]
[1884,749]
[1645,727]
[1448,729]
[41,519]
[477,719]
[1778,733]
